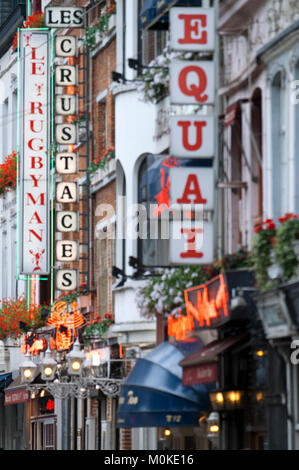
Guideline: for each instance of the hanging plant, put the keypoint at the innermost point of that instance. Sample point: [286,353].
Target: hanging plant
[287,233]
[36,20]
[239,260]
[15,316]
[100,26]
[153,83]
[98,327]
[262,248]
[73,295]
[102,161]
[8,173]
[164,294]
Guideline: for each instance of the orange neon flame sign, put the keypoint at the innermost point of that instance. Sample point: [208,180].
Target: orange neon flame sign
[179,327]
[66,324]
[204,310]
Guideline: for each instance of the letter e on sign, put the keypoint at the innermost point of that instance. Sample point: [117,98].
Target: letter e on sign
[192,29]
[66,250]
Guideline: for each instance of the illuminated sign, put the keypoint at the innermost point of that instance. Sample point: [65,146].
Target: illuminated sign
[192,29]
[66,319]
[64,17]
[66,160]
[208,303]
[34,144]
[192,82]
[193,188]
[192,136]
[33,344]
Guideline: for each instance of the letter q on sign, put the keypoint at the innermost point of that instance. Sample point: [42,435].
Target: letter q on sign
[192,82]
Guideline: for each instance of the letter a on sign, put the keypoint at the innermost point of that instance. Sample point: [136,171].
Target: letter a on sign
[192,29]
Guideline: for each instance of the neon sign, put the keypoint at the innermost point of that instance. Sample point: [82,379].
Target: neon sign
[206,306]
[65,323]
[209,302]
[33,344]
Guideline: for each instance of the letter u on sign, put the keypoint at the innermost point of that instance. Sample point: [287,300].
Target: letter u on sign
[192,82]
[192,136]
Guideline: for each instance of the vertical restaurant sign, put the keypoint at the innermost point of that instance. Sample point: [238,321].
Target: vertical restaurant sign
[34,151]
[193,135]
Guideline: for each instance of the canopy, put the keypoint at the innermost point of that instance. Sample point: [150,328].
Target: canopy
[5,380]
[153,394]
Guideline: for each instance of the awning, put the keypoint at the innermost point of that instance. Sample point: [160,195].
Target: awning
[16,392]
[154,13]
[210,352]
[153,393]
[5,380]
[231,114]
[147,13]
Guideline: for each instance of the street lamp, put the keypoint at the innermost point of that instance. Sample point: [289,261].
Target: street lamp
[75,359]
[227,400]
[27,369]
[48,366]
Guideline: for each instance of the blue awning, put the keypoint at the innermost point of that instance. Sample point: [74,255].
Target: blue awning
[153,394]
[147,13]
[5,380]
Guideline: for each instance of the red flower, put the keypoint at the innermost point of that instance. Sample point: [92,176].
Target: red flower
[258,228]
[271,226]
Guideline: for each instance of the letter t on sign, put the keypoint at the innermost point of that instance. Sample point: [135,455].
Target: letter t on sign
[192,29]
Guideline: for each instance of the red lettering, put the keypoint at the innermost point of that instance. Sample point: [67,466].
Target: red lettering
[192,187]
[33,232]
[32,126]
[30,144]
[33,55]
[191,25]
[35,201]
[199,129]
[35,217]
[191,243]
[194,90]
[37,66]
[36,105]
[35,180]
[36,161]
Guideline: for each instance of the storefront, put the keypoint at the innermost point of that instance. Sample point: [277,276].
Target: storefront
[236,361]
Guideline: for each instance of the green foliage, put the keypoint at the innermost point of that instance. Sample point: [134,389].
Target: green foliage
[286,234]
